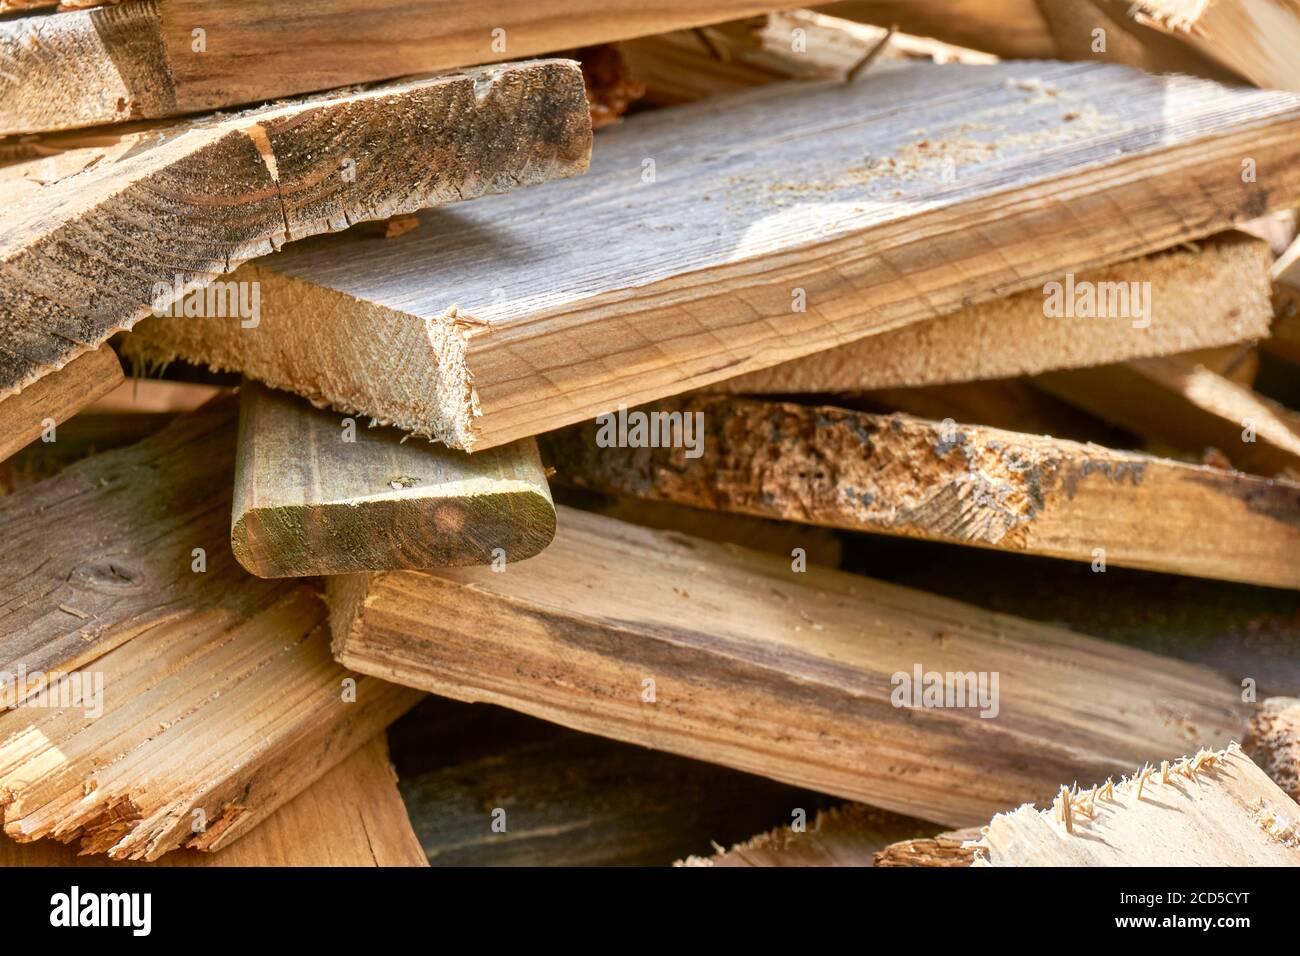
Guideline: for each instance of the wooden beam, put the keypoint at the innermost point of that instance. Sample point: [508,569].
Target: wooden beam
[1180,404]
[147,59]
[317,495]
[1273,742]
[847,835]
[56,398]
[98,235]
[216,691]
[959,483]
[514,316]
[1216,294]
[352,816]
[1013,29]
[1214,809]
[735,657]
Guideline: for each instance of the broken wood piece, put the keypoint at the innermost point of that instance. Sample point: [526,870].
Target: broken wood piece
[515,315]
[847,835]
[944,849]
[316,494]
[942,481]
[352,816]
[205,697]
[745,660]
[1273,742]
[1214,808]
[97,236]
[1173,301]
[149,59]
[1179,403]
[39,410]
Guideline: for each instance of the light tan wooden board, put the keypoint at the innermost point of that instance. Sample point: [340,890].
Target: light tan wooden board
[952,482]
[1197,298]
[147,59]
[319,494]
[109,230]
[518,314]
[352,816]
[776,672]
[215,689]
[1215,810]
[55,398]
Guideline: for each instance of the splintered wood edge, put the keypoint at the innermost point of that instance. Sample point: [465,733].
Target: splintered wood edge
[1273,742]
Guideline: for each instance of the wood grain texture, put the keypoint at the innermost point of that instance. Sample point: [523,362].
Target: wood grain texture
[959,483]
[56,398]
[352,816]
[1180,404]
[519,314]
[1216,295]
[218,692]
[1273,742]
[945,849]
[1214,809]
[569,799]
[1013,29]
[784,674]
[847,835]
[99,236]
[146,59]
[309,502]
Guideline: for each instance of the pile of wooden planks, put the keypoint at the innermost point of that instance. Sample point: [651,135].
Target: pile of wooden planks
[823,458]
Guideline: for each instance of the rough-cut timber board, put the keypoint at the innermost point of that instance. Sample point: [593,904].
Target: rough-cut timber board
[847,835]
[143,59]
[56,398]
[960,483]
[90,233]
[352,816]
[570,799]
[218,690]
[308,502]
[514,315]
[1213,809]
[1180,404]
[1273,742]
[784,674]
[1217,295]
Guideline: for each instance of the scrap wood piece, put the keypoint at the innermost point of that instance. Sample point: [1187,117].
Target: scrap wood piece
[99,236]
[943,481]
[1180,403]
[1273,742]
[1215,808]
[1215,294]
[55,398]
[847,835]
[318,495]
[943,849]
[188,735]
[1013,29]
[169,58]
[515,315]
[738,658]
[351,816]
[215,688]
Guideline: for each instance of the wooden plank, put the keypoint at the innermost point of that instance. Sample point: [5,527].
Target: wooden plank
[490,787]
[538,319]
[147,59]
[218,693]
[1183,405]
[352,816]
[959,483]
[1214,809]
[314,495]
[97,236]
[148,396]
[1214,295]
[782,673]
[1013,29]
[847,835]
[56,398]
[1273,742]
